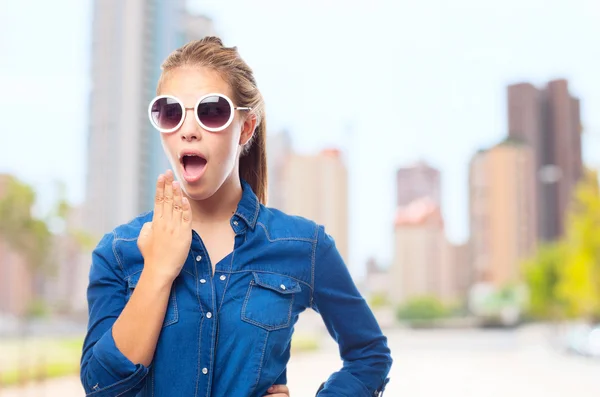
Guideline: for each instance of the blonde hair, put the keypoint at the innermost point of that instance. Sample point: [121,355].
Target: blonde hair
[211,53]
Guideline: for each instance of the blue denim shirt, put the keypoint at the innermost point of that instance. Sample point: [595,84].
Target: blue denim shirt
[228,333]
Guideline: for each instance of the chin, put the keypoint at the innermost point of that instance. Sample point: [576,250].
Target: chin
[198,191]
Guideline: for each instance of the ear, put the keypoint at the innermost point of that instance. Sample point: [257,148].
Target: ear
[248,128]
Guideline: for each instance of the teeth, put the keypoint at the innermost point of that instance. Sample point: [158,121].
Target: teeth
[187,155]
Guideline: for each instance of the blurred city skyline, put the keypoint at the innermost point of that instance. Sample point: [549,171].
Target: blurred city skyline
[439,143]
[416,82]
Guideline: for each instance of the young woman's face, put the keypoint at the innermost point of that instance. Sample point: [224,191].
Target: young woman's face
[203,160]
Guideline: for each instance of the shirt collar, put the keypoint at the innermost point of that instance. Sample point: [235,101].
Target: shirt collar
[248,206]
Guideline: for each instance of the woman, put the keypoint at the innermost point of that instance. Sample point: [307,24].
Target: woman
[199,296]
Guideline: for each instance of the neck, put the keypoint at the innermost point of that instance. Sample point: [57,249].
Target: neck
[220,206]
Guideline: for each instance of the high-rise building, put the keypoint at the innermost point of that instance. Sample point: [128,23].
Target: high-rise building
[16,281]
[316,187]
[417,181]
[455,274]
[502,212]
[419,243]
[130,41]
[66,287]
[549,121]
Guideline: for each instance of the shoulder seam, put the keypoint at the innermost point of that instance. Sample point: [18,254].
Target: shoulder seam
[114,249]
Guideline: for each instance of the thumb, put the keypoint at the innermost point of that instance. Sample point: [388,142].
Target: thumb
[146,229]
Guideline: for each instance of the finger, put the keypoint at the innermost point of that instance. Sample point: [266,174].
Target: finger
[159,197]
[279,389]
[168,202]
[186,216]
[144,231]
[144,236]
[146,227]
[177,204]
[277,395]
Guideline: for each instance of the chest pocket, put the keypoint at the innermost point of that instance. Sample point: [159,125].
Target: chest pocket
[269,301]
[172,314]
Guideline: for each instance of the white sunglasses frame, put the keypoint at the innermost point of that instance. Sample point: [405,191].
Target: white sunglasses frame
[195,109]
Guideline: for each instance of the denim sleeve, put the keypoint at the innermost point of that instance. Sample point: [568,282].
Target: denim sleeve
[363,347]
[105,371]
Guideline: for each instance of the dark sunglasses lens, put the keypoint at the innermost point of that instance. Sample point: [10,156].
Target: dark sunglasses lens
[214,111]
[166,113]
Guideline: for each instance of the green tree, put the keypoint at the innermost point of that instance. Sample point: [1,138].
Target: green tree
[23,232]
[378,300]
[542,277]
[424,308]
[564,276]
[579,279]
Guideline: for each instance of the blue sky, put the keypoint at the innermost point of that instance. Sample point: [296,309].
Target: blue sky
[414,80]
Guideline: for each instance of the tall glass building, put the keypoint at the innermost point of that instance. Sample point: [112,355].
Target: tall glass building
[130,41]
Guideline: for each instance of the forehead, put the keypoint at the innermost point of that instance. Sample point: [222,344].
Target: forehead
[189,83]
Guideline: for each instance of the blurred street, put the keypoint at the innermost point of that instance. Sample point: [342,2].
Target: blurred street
[490,363]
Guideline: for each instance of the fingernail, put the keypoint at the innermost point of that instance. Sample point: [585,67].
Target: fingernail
[271,389]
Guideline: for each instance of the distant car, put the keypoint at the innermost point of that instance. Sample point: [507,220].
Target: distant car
[583,340]
[593,343]
[575,339]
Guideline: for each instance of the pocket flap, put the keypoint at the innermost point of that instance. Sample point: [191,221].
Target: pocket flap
[277,282]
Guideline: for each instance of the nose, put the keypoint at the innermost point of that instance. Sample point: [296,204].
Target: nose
[190,130]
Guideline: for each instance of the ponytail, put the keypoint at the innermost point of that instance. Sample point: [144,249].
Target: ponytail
[253,163]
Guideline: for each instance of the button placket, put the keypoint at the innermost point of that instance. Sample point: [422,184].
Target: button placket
[205,306]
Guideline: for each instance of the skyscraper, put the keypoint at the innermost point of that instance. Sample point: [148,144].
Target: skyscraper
[130,41]
[419,246]
[549,121]
[316,187]
[417,181]
[455,272]
[502,211]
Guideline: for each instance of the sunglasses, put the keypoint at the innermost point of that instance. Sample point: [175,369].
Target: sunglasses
[214,112]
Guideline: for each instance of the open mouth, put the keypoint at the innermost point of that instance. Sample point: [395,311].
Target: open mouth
[193,166]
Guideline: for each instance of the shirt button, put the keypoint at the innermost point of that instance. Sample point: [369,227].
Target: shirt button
[222,277]
[208,315]
[282,287]
[204,371]
[198,258]
[202,281]
[235,223]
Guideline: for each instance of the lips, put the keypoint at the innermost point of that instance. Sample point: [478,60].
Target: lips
[193,164]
